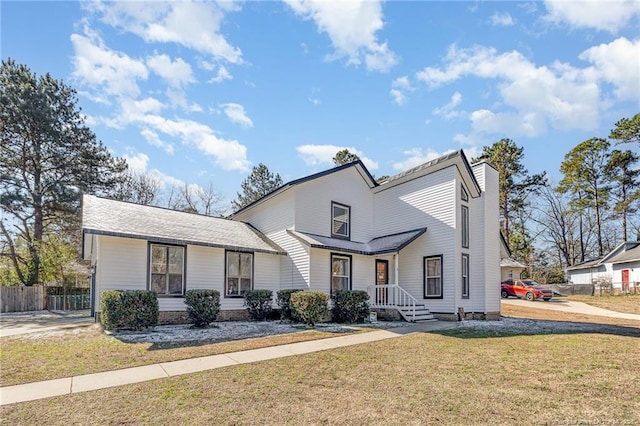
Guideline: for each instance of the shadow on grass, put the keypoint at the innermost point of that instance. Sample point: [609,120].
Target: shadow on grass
[536,327]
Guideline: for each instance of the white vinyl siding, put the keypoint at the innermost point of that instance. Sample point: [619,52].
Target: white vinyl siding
[314,200]
[121,265]
[485,243]
[429,201]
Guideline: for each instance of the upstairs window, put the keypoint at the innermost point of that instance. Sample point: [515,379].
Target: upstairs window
[340,218]
[463,193]
[465,226]
[167,270]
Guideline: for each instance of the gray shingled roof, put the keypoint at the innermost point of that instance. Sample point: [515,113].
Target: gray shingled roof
[630,255]
[381,245]
[116,218]
[586,265]
[511,263]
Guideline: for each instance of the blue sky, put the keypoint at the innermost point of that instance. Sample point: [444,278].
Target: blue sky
[201,92]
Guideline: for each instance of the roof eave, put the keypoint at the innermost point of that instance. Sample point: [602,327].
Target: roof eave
[175,241]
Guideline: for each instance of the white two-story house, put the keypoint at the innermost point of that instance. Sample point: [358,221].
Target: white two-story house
[424,242]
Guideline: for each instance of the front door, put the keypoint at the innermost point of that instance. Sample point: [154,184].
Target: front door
[382,278]
[625,280]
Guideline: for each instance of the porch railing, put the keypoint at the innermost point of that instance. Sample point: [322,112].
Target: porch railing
[392,296]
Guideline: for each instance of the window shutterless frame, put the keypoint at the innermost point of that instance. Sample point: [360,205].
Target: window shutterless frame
[166,273]
[464,219]
[341,268]
[238,273]
[432,276]
[465,276]
[340,221]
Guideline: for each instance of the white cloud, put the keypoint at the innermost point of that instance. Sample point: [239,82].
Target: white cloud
[137,162]
[529,124]
[191,24]
[177,73]
[614,63]
[314,155]
[153,139]
[601,15]
[559,95]
[352,28]
[449,111]
[98,66]
[417,156]
[237,114]
[399,89]
[228,154]
[222,75]
[502,20]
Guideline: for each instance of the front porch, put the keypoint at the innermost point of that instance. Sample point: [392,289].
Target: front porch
[392,296]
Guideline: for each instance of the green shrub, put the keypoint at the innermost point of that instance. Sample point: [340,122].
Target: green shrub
[350,306]
[203,306]
[129,309]
[310,306]
[284,303]
[258,303]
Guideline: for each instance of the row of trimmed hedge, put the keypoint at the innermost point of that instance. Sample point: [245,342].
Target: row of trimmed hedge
[138,309]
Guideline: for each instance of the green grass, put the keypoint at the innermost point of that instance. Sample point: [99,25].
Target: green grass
[629,303]
[86,351]
[416,379]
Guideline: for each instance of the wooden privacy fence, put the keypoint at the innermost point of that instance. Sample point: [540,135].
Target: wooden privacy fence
[21,298]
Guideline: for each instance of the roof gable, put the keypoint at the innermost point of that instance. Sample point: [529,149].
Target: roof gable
[358,165]
[454,159]
[627,251]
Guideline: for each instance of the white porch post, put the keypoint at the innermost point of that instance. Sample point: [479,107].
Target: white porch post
[395,261]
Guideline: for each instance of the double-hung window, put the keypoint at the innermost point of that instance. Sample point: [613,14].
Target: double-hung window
[433,277]
[340,220]
[340,272]
[465,275]
[239,273]
[167,270]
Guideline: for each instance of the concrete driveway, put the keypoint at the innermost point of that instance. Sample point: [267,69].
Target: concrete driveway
[13,324]
[570,306]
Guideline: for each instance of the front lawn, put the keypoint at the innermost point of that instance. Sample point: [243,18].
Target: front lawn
[628,303]
[458,376]
[32,358]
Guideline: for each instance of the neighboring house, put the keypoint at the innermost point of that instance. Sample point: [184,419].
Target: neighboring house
[621,267]
[510,269]
[424,242]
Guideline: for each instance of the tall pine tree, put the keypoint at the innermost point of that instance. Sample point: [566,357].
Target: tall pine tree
[258,184]
[514,184]
[585,179]
[48,159]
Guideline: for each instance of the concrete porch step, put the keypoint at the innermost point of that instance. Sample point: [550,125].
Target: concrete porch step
[422,314]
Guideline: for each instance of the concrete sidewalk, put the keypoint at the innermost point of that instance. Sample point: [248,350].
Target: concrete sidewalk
[108,379]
